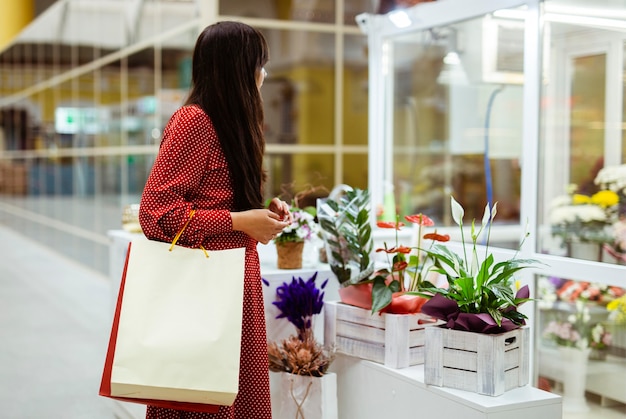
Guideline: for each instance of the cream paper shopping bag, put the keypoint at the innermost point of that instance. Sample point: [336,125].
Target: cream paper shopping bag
[179,330]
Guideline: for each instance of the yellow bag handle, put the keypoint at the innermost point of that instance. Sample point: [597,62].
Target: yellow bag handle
[181,232]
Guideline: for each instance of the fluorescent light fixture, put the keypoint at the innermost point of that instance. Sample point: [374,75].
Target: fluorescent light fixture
[515,14]
[400,18]
[586,21]
[574,16]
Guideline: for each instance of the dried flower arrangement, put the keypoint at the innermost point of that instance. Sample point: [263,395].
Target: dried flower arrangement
[299,301]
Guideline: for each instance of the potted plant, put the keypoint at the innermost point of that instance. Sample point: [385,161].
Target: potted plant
[379,301]
[479,308]
[346,230]
[575,339]
[344,219]
[396,288]
[308,389]
[584,222]
[290,242]
[479,296]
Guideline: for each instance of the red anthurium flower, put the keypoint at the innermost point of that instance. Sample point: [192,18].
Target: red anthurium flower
[400,266]
[402,249]
[390,224]
[399,249]
[420,219]
[437,237]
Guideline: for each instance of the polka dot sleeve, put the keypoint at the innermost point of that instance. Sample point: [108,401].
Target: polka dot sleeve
[189,151]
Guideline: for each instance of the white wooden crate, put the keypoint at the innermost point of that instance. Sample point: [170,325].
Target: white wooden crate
[396,340]
[477,362]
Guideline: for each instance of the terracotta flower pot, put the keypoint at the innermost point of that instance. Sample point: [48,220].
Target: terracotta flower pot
[289,255]
[405,304]
[360,295]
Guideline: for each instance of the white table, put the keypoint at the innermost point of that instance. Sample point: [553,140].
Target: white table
[367,390]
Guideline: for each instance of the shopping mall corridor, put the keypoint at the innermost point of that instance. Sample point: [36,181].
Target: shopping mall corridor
[54,325]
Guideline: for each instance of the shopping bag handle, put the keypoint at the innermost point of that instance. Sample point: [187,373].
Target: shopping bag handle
[177,236]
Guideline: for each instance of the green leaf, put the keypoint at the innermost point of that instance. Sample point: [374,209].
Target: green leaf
[496,314]
[465,287]
[483,274]
[381,294]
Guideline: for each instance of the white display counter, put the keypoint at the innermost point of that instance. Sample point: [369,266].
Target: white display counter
[364,389]
[369,390]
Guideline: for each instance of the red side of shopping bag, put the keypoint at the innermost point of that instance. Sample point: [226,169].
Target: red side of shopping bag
[105,384]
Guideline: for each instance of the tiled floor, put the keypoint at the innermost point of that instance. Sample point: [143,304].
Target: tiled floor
[54,324]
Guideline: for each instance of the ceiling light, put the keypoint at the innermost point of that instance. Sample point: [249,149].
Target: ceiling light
[400,18]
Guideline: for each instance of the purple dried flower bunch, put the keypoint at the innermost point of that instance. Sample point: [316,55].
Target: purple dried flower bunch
[298,301]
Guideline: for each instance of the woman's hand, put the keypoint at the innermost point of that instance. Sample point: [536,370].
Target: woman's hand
[281,208]
[260,224]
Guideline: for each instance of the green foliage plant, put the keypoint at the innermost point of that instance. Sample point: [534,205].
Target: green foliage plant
[347,233]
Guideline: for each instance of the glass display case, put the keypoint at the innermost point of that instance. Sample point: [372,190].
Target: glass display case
[519,103]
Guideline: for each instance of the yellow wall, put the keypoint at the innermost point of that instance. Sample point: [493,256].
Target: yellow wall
[14,16]
[316,123]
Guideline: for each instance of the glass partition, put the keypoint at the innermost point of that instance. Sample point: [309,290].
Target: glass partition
[453,119]
[87,88]
[582,140]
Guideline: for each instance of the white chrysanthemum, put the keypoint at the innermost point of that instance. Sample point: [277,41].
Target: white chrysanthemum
[572,213]
[561,201]
[612,177]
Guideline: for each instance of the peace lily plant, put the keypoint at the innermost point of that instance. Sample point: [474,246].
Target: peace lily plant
[480,295]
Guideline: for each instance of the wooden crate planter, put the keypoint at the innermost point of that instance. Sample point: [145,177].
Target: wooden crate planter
[396,340]
[485,364]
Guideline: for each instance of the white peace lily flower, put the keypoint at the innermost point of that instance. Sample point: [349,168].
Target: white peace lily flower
[486,216]
[457,211]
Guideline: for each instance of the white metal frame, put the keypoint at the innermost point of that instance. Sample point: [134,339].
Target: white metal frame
[424,16]
[380,30]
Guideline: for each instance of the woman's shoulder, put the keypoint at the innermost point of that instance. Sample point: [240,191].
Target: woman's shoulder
[190,113]
[191,117]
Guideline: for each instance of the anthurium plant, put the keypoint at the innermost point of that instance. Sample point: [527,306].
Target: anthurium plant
[480,295]
[407,265]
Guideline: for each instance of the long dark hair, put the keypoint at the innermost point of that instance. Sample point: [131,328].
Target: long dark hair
[226,60]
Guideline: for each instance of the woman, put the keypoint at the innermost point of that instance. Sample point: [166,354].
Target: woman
[210,160]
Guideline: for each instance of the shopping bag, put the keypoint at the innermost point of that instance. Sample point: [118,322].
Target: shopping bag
[176,335]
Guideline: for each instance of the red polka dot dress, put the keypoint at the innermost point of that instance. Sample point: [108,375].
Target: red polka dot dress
[191,172]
